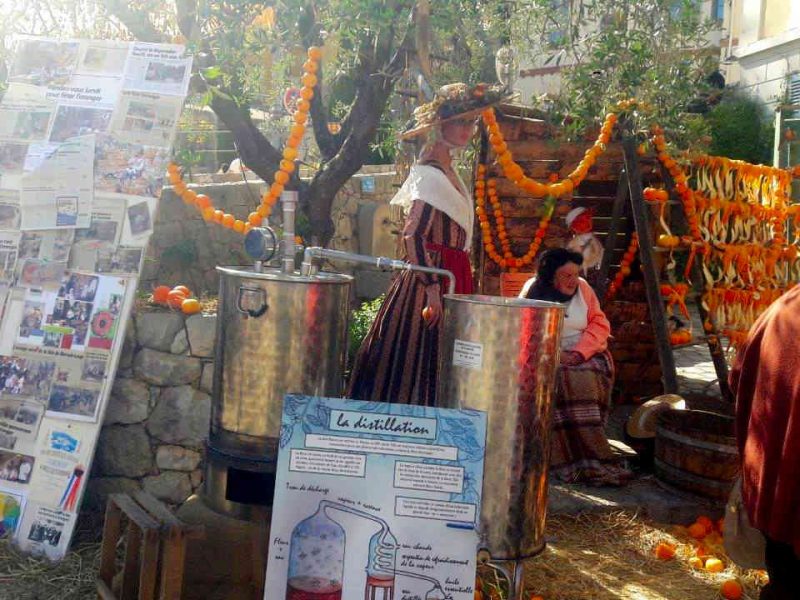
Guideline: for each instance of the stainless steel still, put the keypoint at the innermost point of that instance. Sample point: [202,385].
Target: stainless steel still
[500,355]
[277,333]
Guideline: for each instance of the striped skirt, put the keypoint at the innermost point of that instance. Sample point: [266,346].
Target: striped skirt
[580,452]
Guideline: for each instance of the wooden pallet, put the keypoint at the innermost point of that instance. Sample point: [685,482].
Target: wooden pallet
[155,549]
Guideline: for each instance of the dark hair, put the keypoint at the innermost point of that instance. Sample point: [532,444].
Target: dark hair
[552,260]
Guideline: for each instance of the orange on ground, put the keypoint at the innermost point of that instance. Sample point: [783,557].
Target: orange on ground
[697,531]
[190,306]
[731,590]
[714,565]
[175,298]
[160,294]
[665,551]
[185,290]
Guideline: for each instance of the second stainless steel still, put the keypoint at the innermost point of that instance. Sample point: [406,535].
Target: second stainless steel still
[500,355]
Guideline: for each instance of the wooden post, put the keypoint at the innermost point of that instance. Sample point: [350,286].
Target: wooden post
[617,210]
[651,283]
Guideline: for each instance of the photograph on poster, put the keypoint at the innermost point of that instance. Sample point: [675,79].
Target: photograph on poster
[120,261]
[104,323]
[31,125]
[132,169]
[26,376]
[98,231]
[103,58]
[73,402]
[66,211]
[12,504]
[38,273]
[105,228]
[30,244]
[73,314]
[73,121]
[139,218]
[9,216]
[32,318]
[16,467]
[94,369]
[12,157]
[44,62]
[12,161]
[8,260]
[19,422]
[76,286]
[145,118]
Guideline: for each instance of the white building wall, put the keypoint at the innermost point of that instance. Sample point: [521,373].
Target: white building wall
[766,47]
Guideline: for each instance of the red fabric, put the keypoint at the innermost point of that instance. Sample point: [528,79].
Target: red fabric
[766,381]
[457,262]
[594,338]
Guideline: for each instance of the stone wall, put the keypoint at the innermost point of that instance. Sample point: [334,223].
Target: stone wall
[185,249]
[158,414]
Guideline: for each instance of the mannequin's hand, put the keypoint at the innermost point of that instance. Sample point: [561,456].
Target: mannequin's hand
[433,309]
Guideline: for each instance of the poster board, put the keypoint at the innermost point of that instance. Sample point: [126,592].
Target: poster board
[373,498]
[86,128]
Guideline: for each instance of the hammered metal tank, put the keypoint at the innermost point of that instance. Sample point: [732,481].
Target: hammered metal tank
[500,355]
[277,333]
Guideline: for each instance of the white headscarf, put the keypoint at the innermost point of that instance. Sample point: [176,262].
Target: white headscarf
[432,186]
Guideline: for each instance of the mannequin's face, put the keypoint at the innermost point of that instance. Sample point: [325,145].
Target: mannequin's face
[458,132]
[566,278]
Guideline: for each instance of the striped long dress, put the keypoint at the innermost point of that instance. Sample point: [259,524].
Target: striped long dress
[397,361]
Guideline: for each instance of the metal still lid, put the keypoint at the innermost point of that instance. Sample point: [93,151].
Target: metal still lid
[502,301]
[271,274]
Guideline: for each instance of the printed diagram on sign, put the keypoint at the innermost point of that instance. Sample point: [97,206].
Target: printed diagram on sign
[317,554]
[376,501]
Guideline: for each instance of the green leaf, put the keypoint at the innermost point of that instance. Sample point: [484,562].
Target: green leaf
[212,73]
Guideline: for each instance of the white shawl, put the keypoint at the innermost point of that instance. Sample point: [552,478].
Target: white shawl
[432,186]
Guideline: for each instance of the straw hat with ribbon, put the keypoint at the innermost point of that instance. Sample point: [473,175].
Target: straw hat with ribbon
[642,423]
[451,102]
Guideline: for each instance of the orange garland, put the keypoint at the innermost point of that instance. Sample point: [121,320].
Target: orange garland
[287,166]
[515,173]
[624,267]
[489,188]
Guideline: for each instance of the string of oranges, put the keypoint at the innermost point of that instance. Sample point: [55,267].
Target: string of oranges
[624,267]
[484,189]
[287,165]
[514,172]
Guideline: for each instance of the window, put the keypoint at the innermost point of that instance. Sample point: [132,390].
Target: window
[718,10]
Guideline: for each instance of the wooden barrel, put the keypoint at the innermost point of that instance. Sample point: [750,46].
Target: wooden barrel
[696,451]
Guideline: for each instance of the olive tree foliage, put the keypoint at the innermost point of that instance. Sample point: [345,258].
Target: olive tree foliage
[656,51]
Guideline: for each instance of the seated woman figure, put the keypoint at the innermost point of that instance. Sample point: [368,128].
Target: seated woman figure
[580,451]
